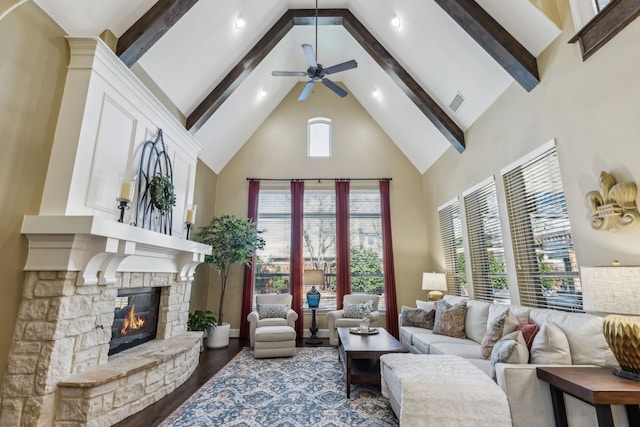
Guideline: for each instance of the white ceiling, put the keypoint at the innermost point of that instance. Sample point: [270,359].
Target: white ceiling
[197,52]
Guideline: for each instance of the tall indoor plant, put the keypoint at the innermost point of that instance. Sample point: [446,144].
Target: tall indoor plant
[233,240]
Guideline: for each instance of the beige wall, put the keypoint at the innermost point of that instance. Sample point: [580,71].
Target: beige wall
[205,198]
[32,74]
[360,149]
[591,108]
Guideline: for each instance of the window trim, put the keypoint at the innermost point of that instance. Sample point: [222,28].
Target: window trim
[314,121]
[604,26]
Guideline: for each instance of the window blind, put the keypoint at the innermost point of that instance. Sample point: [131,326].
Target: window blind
[546,265]
[451,233]
[488,269]
[272,262]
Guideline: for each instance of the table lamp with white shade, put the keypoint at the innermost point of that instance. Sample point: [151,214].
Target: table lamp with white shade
[616,290]
[436,283]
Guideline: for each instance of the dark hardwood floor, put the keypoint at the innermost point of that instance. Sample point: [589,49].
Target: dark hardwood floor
[211,361]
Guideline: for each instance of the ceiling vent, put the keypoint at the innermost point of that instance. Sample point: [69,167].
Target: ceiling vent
[457,102]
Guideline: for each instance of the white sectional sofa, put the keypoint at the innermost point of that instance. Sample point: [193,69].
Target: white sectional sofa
[529,398]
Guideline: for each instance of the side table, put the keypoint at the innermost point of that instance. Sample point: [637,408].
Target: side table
[314,339]
[594,385]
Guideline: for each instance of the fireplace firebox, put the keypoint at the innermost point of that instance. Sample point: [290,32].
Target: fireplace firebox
[136,318]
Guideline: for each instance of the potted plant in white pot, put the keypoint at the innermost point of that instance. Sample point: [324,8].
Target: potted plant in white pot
[202,320]
[233,240]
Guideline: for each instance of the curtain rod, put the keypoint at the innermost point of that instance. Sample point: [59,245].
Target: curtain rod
[319,179]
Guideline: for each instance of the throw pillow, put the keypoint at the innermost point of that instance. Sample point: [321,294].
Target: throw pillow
[272,311]
[500,326]
[509,349]
[449,320]
[529,331]
[418,317]
[550,346]
[357,311]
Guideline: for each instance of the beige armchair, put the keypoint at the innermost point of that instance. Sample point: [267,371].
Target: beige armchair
[256,322]
[336,318]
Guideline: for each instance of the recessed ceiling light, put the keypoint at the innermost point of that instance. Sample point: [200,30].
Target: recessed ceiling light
[262,93]
[395,22]
[240,23]
[376,94]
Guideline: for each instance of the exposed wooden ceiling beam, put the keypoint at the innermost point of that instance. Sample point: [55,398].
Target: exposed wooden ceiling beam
[147,30]
[493,38]
[292,17]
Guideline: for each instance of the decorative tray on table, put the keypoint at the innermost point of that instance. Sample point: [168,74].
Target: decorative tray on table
[357,331]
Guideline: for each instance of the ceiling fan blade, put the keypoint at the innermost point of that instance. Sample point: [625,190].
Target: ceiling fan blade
[334,87]
[311,58]
[288,73]
[341,67]
[306,91]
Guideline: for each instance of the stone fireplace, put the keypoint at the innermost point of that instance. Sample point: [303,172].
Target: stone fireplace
[85,270]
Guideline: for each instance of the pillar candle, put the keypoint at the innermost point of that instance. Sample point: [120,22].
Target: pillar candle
[125,190]
[191,216]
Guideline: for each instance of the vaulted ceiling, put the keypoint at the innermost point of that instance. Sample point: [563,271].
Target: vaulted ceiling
[219,76]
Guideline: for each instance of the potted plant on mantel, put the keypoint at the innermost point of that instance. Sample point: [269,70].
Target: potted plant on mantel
[233,240]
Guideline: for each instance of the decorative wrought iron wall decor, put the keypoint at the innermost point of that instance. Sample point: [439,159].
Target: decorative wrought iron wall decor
[156,197]
[613,207]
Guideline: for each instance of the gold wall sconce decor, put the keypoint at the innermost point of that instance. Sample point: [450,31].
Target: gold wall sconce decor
[613,206]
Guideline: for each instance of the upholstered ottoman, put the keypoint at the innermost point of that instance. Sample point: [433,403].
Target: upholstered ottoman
[274,341]
[442,390]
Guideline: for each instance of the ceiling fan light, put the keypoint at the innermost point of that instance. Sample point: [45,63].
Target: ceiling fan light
[395,22]
[240,23]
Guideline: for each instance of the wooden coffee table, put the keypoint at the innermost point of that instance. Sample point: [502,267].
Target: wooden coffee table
[360,355]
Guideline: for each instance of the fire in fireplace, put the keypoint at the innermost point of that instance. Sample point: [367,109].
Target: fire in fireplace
[136,318]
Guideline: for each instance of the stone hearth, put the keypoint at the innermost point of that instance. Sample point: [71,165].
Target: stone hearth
[59,371]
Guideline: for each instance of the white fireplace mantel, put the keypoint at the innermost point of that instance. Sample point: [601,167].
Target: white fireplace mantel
[99,248]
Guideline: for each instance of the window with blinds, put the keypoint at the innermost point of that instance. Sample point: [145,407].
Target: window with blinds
[488,268]
[272,262]
[451,232]
[365,223]
[546,265]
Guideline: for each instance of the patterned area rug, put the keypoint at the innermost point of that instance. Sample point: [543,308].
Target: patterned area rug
[308,389]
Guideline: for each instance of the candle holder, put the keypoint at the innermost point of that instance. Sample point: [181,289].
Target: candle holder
[123,205]
[190,218]
[125,194]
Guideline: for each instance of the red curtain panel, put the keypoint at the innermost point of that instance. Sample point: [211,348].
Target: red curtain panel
[389,272]
[296,260]
[343,255]
[249,272]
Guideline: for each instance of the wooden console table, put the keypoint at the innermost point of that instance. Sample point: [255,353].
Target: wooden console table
[594,385]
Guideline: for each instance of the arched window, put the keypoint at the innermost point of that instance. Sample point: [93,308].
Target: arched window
[319,137]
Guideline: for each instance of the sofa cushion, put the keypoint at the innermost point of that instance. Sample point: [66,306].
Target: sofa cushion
[510,349]
[550,346]
[418,317]
[468,349]
[423,340]
[499,327]
[407,333]
[584,332]
[475,324]
[425,305]
[450,319]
